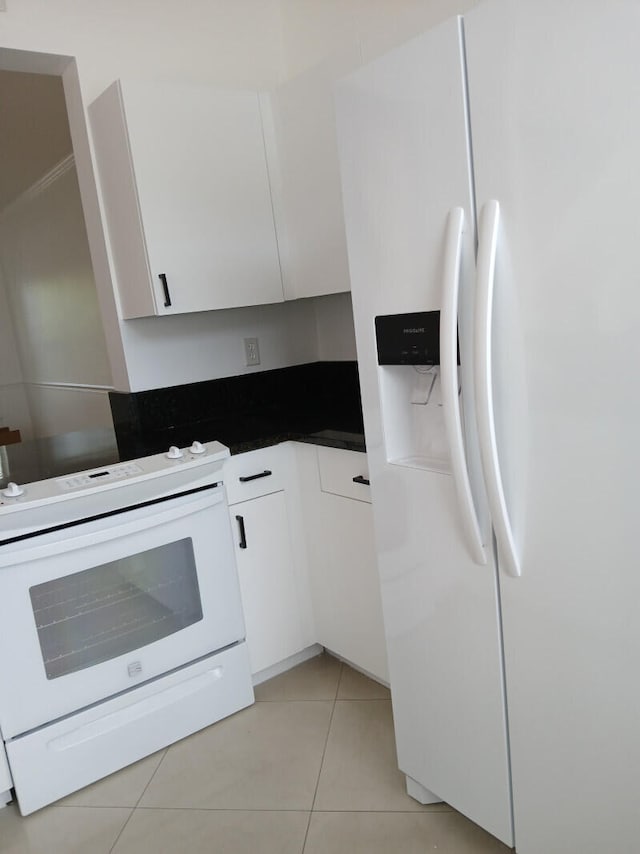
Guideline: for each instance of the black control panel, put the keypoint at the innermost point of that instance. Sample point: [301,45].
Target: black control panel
[408,339]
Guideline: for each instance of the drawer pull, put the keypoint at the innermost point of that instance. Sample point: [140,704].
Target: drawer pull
[243,534]
[360,479]
[265,473]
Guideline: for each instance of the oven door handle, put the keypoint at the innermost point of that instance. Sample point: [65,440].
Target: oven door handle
[112,527]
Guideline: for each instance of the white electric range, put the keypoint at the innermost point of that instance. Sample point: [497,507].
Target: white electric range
[122,625]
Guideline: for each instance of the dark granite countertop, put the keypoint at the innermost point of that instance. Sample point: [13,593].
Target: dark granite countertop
[330,438]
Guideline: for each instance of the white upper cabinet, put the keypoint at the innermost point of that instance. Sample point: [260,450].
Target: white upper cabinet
[186,194]
[305,168]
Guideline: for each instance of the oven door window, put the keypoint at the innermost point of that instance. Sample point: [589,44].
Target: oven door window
[112,609]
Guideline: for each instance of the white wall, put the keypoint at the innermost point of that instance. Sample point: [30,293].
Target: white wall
[10,369]
[314,29]
[34,131]
[322,41]
[52,303]
[49,283]
[62,409]
[211,345]
[229,43]
[233,43]
[14,406]
[334,325]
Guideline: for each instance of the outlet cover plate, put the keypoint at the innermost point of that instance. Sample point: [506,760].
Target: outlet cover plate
[251,352]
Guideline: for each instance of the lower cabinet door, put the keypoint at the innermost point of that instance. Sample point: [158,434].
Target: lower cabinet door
[346,586]
[267,579]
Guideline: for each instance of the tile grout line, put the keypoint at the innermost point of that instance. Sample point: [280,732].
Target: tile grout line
[121,831]
[135,807]
[273,810]
[324,750]
[337,700]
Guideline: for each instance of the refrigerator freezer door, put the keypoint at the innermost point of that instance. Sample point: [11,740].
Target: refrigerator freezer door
[405,164]
[554,92]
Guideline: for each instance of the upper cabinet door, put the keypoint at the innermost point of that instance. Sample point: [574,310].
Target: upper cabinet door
[554,91]
[304,156]
[186,193]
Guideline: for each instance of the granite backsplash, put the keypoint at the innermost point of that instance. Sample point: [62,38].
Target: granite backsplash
[320,399]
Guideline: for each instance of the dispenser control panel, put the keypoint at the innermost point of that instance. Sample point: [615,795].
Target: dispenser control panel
[408,339]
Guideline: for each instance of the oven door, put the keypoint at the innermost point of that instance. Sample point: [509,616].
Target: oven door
[97,608]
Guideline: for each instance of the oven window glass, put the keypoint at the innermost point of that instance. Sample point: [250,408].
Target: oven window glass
[110,610]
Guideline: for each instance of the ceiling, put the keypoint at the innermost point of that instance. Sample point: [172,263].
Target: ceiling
[34,130]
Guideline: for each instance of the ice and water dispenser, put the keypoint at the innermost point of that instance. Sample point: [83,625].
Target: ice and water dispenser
[408,348]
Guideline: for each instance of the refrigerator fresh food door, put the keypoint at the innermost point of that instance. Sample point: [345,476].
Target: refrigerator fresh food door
[404,153]
[554,92]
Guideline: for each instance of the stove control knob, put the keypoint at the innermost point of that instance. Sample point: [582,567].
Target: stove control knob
[13,490]
[174,453]
[197,448]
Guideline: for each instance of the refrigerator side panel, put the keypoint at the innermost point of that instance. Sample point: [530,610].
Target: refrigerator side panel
[554,89]
[404,163]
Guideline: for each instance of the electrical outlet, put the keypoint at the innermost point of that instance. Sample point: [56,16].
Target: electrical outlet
[251,351]
[3,6]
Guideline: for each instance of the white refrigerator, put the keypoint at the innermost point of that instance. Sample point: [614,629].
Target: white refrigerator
[489,172]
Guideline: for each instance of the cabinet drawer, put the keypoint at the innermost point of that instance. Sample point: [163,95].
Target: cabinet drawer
[254,473]
[54,760]
[338,469]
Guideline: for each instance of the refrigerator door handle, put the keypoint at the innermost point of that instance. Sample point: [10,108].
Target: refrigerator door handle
[485,272]
[449,383]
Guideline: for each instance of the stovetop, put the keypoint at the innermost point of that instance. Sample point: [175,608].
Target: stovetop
[68,453]
[54,504]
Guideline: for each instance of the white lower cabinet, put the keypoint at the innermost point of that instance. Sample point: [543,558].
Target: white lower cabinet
[267,580]
[345,587]
[5,778]
[303,531]
[271,578]
[343,573]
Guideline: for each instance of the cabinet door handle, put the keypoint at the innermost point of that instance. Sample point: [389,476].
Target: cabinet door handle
[243,534]
[165,288]
[360,479]
[265,473]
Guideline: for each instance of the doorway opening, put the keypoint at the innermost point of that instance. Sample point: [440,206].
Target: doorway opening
[55,365]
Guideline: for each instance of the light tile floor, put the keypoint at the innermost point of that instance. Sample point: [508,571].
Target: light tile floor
[309,768]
